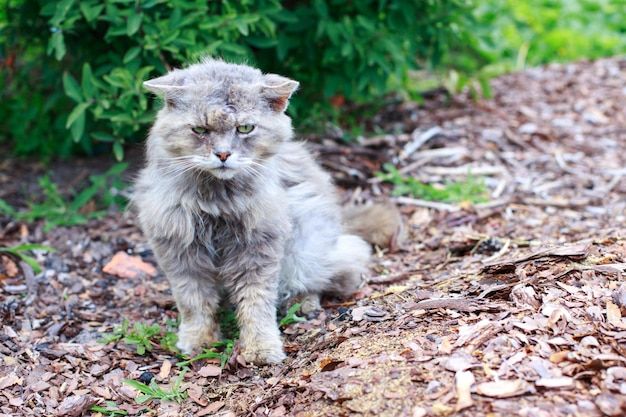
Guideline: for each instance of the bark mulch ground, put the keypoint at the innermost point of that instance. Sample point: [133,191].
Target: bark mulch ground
[510,306]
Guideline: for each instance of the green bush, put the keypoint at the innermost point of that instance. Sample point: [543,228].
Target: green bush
[72,71]
[511,35]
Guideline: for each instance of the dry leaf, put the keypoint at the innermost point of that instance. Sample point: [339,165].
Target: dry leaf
[166,368]
[212,408]
[76,405]
[210,370]
[125,266]
[194,391]
[614,315]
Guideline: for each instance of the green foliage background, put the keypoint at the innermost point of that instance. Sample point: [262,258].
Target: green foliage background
[71,71]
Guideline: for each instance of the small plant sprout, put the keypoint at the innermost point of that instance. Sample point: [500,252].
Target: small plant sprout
[226,347]
[153,391]
[19,253]
[110,409]
[143,336]
[291,316]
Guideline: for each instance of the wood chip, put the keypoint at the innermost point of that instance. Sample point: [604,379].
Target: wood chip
[560,382]
[503,389]
[76,405]
[464,381]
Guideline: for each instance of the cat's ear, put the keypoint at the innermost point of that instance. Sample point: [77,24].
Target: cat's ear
[277,90]
[168,86]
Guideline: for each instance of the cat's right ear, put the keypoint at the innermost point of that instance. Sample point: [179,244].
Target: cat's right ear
[168,86]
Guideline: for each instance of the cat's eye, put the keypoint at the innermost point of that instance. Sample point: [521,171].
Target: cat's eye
[245,128]
[199,130]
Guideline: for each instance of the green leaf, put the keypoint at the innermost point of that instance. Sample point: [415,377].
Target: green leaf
[118,151]
[143,388]
[103,136]
[33,246]
[291,316]
[77,113]
[84,197]
[131,54]
[57,44]
[242,27]
[143,398]
[32,262]
[321,8]
[90,12]
[88,82]
[60,12]
[19,252]
[133,23]
[71,87]
[5,208]
[261,41]
[78,128]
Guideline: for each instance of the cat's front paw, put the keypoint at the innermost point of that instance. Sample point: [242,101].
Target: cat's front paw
[193,342]
[260,354]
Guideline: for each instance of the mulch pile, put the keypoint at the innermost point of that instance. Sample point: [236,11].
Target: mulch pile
[512,306]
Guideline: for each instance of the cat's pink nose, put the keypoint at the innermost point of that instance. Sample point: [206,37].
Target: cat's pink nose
[223,156]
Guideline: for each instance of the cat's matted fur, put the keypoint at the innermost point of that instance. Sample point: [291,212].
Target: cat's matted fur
[232,207]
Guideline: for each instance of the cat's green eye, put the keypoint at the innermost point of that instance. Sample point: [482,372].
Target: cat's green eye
[245,128]
[199,130]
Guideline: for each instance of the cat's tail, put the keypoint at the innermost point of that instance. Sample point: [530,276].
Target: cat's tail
[378,223]
[349,259]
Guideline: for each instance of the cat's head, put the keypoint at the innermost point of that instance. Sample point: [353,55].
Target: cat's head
[224,119]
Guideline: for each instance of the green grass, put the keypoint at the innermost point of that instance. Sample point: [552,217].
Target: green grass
[291,316]
[21,252]
[554,30]
[510,35]
[472,190]
[219,350]
[110,409]
[153,391]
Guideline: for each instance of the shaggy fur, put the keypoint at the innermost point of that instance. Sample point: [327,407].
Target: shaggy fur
[231,206]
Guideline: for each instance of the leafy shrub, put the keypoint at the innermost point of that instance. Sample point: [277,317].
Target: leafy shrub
[73,70]
[105,190]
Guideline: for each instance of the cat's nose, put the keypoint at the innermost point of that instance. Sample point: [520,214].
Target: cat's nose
[223,156]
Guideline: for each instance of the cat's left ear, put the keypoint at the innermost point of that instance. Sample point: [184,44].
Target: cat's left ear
[277,90]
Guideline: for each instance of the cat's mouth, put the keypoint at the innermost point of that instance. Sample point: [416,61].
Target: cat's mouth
[223,172]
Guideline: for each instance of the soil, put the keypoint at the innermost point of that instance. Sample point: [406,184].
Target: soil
[512,306]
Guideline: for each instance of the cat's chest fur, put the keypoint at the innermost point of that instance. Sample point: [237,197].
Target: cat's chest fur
[232,220]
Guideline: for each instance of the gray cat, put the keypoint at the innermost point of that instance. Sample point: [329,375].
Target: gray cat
[232,207]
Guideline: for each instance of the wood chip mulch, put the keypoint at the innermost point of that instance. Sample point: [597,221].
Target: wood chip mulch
[511,307]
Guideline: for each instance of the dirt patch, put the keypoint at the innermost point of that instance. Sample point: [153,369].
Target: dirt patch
[509,307]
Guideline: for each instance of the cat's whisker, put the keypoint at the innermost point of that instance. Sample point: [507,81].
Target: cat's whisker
[177,170]
[253,170]
[273,169]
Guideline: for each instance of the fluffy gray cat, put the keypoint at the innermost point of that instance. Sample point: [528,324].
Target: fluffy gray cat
[233,208]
